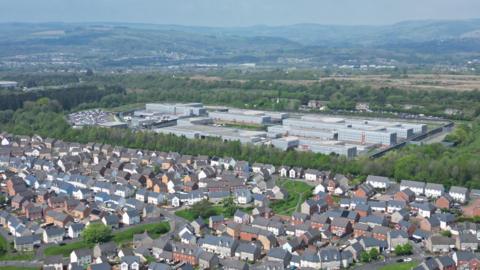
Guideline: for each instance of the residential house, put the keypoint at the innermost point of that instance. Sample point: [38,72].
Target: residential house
[364,191]
[341,226]
[248,252]
[459,194]
[108,250]
[466,260]
[378,182]
[433,190]
[26,243]
[444,202]
[130,217]
[185,253]
[75,229]
[417,187]
[81,257]
[208,260]
[130,263]
[439,244]
[396,238]
[330,258]
[467,242]
[53,235]
[221,245]
[406,195]
[53,262]
[279,255]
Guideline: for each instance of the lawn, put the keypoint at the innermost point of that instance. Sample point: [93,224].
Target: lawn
[154,230]
[297,191]
[190,215]
[400,266]
[66,249]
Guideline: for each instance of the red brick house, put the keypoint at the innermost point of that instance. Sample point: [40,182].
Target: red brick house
[185,253]
[405,195]
[364,191]
[341,226]
[444,202]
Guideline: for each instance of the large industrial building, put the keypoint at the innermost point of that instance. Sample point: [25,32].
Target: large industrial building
[315,146]
[8,84]
[328,147]
[241,118]
[189,109]
[351,130]
[204,131]
[315,133]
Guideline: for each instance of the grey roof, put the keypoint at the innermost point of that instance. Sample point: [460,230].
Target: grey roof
[130,259]
[26,240]
[56,259]
[77,227]
[340,222]
[376,178]
[329,254]
[465,255]
[278,253]
[410,183]
[398,234]
[457,189]
[434,186]
[310,256]
[441,240]
[54,231]
[248,248]
[216,218]
[83,252]
[100,266]
[223,241]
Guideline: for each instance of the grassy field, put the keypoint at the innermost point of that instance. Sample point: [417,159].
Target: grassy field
[154,230]
[400,266]
[298,192]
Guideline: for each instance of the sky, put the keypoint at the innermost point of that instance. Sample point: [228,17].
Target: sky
[237,12]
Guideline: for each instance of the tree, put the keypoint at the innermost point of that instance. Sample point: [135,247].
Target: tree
[365,257]
[229,206]
[446,233]
[374,254]
[96,233]
[203,209]
[405,249]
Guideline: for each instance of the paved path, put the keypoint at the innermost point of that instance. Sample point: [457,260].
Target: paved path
[31,264]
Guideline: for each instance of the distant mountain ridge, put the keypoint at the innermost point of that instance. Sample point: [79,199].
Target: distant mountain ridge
[110,43]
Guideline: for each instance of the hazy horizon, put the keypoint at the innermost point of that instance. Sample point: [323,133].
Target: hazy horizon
[230,13]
